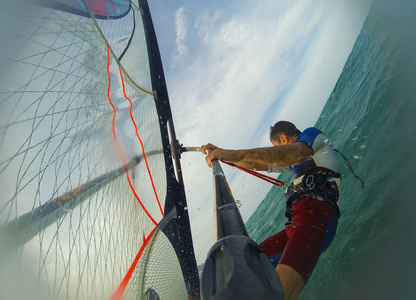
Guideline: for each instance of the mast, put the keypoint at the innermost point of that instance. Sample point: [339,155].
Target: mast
[175,205]
[235,268]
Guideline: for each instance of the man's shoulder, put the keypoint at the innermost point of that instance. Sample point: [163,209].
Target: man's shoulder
[309,135]
[311,131]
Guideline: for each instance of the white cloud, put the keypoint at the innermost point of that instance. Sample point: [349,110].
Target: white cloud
[181,34]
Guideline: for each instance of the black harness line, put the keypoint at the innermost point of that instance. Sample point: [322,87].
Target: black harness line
[351,169]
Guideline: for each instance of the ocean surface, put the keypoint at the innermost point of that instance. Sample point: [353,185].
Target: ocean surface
[370,117]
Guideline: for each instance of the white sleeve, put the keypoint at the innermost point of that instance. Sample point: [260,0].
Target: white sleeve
[324,154]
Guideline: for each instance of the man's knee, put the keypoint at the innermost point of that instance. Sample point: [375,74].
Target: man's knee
[292,282]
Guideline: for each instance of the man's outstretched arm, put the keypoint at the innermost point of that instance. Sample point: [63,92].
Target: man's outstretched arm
[279,156]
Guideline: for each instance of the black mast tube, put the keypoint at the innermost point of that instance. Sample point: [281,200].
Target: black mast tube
[235,268]
[176,224]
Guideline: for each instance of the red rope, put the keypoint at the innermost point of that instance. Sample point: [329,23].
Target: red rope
[256,174]
[141,143]
[118,145]
[120,290]
[122,287]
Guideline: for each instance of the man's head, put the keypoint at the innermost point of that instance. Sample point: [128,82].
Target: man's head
[283,132]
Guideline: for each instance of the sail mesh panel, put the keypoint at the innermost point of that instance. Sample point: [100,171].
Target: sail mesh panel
[70,223]
[163,278]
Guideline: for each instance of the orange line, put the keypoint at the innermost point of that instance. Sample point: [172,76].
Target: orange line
[141,142]
[118,145]
[122,287]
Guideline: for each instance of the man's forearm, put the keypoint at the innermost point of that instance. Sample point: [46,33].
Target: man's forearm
[256,166]
[280,156]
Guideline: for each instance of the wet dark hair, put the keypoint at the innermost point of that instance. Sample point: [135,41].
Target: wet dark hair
[283,127]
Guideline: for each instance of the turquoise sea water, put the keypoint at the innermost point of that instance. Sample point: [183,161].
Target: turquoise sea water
[370,116]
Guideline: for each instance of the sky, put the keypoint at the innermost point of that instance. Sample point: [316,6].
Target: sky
[234,68]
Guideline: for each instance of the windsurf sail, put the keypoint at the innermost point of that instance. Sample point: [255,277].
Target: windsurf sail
[93,204]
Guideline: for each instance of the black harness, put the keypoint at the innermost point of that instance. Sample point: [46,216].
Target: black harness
[316,184]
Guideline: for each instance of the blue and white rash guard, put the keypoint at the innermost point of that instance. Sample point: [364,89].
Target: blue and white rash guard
[323,156]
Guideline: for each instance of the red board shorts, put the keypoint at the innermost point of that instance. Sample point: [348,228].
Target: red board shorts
[314,224]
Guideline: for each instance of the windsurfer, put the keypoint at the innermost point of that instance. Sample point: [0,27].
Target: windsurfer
[311,199]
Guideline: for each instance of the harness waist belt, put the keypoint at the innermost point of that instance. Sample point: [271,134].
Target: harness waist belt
[320,185]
